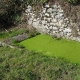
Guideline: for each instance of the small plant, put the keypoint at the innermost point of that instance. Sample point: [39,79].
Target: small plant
[43,1]
[34,1]
[33,33]
[73,1]
[20,46]
[17,19]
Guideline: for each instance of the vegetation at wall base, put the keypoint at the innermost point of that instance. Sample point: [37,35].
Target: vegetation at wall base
[73,1]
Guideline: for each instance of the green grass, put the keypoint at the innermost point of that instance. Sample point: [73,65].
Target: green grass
[9,34]
[67,49]
[29,65]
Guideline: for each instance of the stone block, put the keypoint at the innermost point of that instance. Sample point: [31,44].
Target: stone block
[56,24]
[35,24]
[59,24]
[51,24]
[69,34]
[78,39]
[55,28]
[54,32]
[58,6]
[58,35]
[46,27]
[66,19]
[47,6]
[61,33]
[44,10]
[49,10]
[34,20]
[73,38]
[67,30]
[78,33]
[44,22]
[47,14]
[61,14]
[60,10]
[49,19]
[29,22]
[61,21]
[29,6]
[60,30]
[54,10]
[50,27]
[62,25]
[28,10]
[78,30]
[57,16]
[52,15]
[20,37]
[67,22]
[54,20]
[55,6]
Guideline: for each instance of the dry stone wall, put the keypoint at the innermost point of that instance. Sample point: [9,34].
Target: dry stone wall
[50,19]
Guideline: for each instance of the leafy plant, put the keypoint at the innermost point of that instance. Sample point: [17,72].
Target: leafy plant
[73,1]
[8,10]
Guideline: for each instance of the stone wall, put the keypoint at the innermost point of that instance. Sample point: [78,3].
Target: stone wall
[52,19]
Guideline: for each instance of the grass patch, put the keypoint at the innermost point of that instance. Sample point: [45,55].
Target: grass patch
[67,49]
[29,65]
[9,34]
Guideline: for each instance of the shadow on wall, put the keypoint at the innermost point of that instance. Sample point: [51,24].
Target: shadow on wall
[78,2]
[52,1]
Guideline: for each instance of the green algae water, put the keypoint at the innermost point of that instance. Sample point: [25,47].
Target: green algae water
[66,49]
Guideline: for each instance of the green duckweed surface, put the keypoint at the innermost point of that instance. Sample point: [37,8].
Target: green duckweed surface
[67,49]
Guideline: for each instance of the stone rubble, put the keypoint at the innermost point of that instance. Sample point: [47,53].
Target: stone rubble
[4,44]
